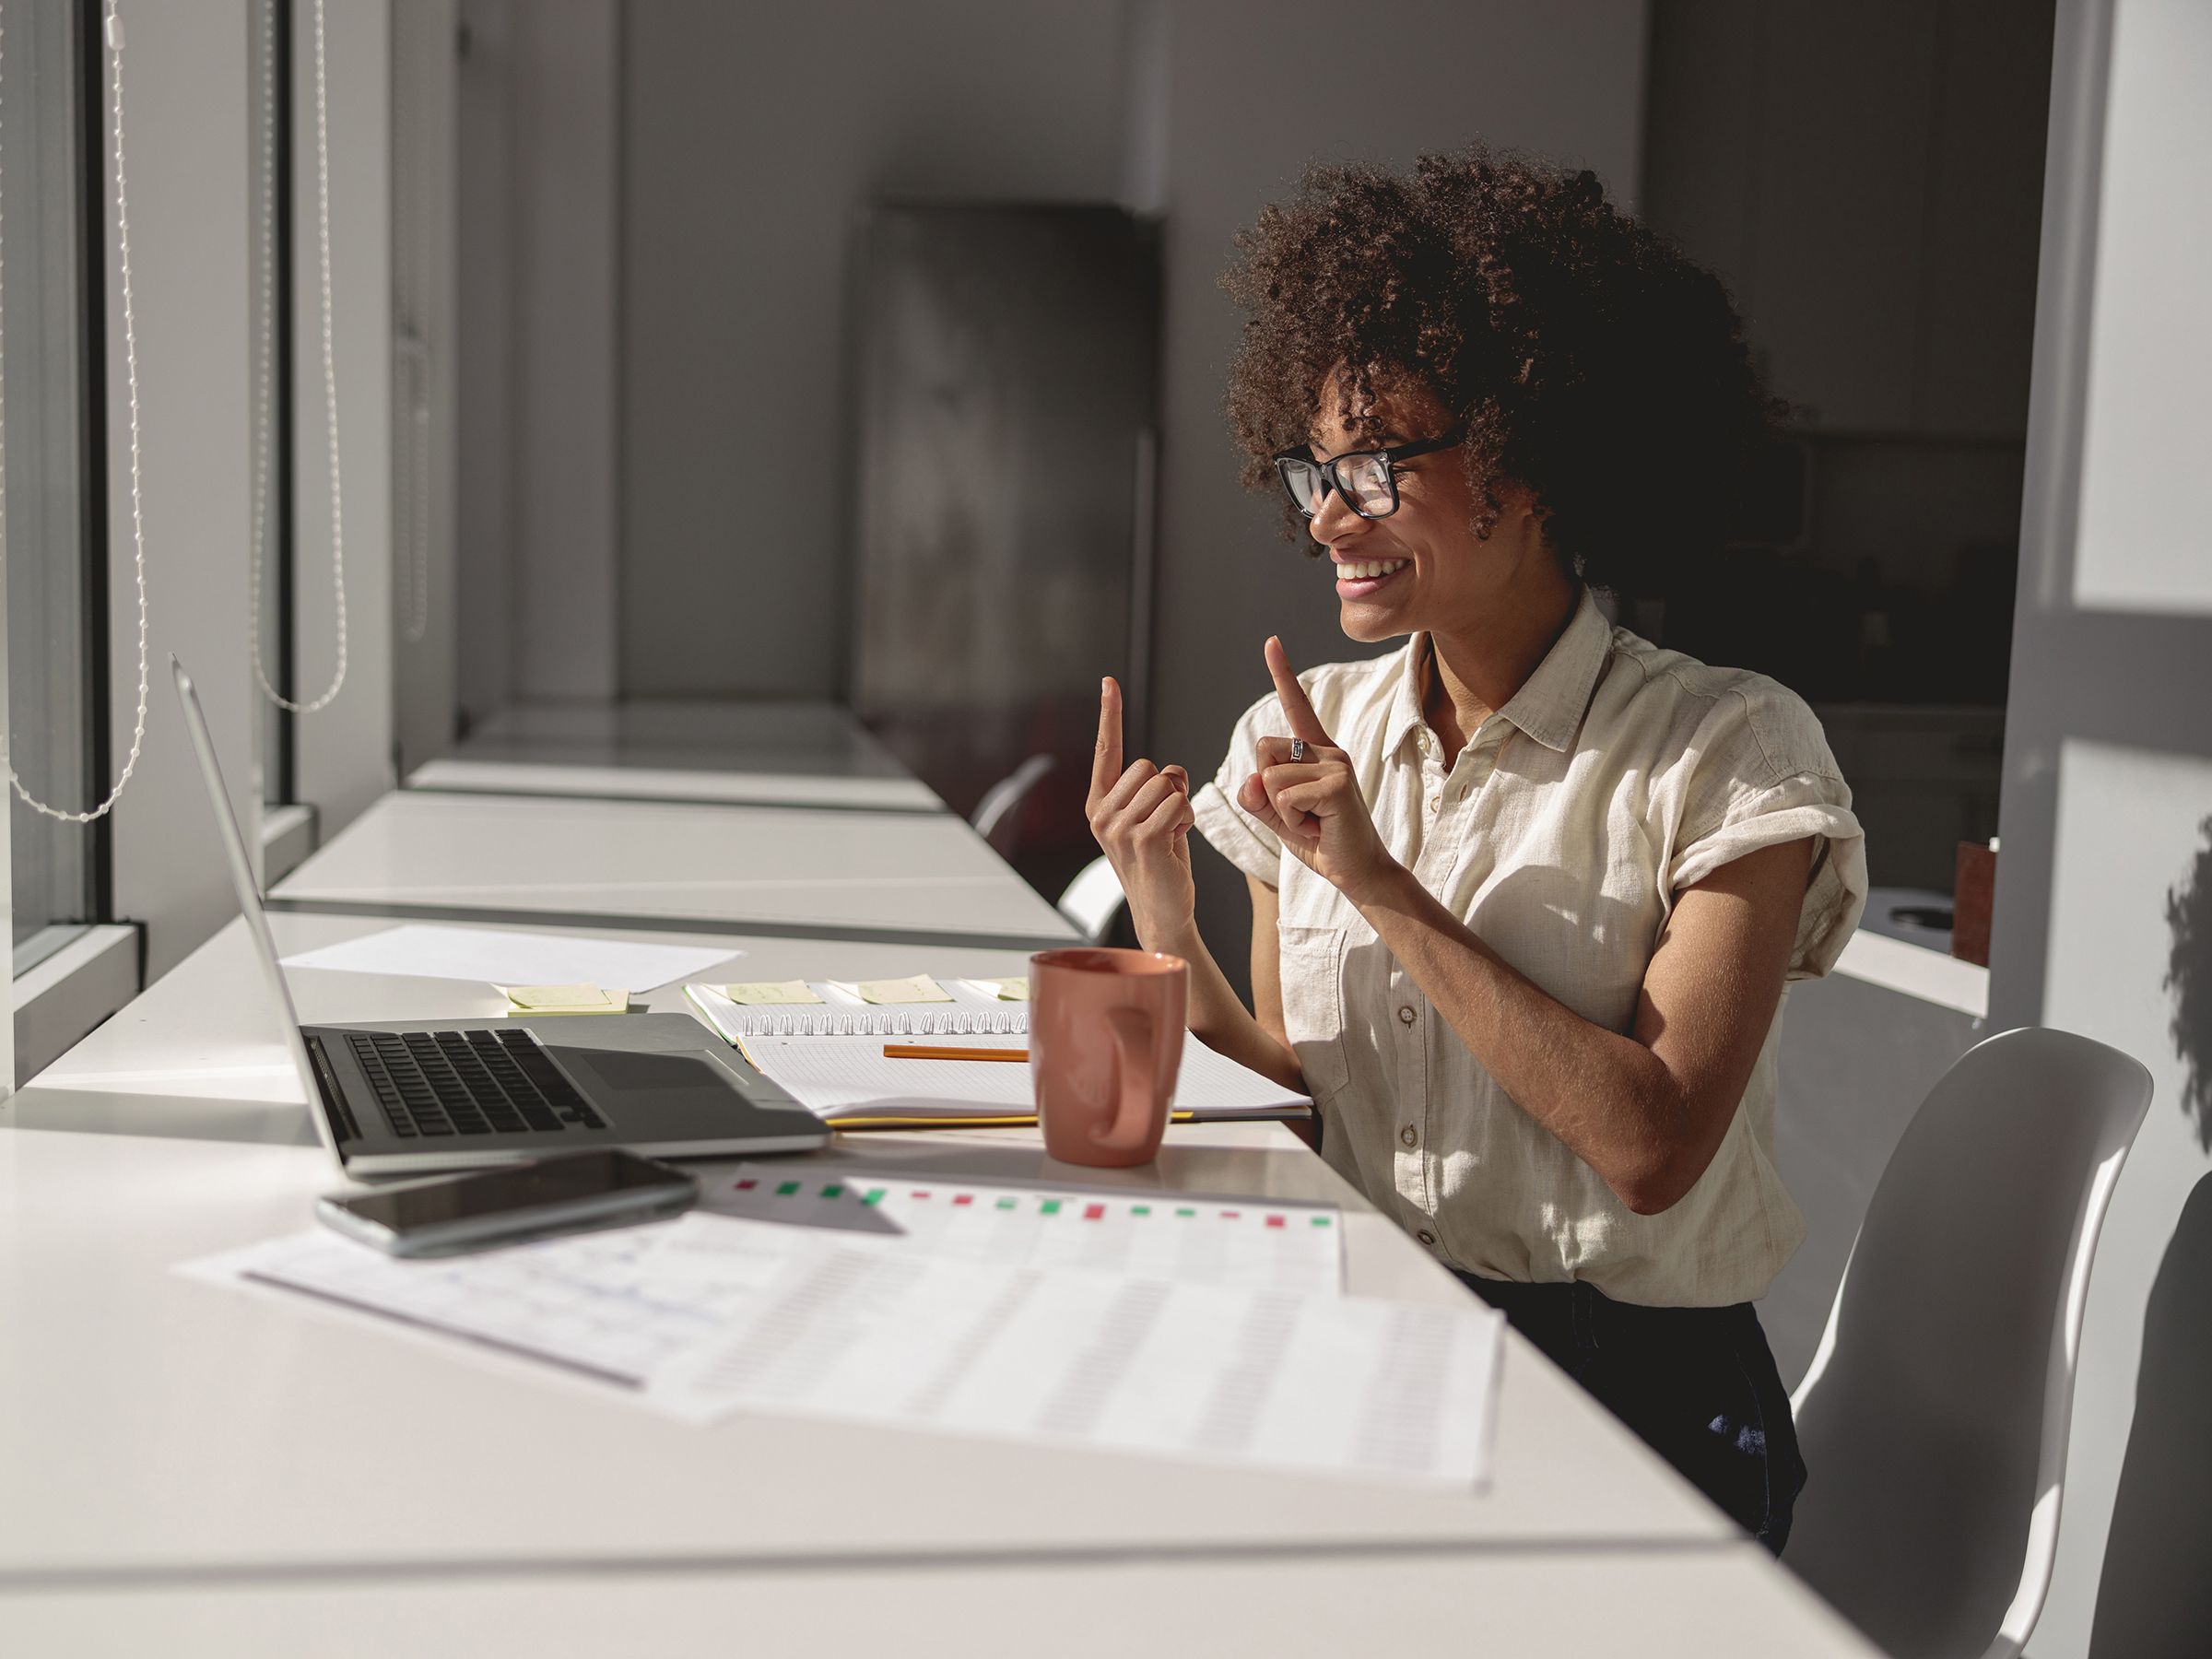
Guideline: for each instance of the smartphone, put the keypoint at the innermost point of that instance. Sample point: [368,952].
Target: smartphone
[568,1193]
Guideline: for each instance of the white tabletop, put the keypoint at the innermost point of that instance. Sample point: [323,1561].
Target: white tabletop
[1655,1601]
[151,1424]
[693,866]
[786,754]
[760,786]
[816,736]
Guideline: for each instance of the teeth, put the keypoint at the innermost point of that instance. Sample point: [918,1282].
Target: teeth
[1368,570]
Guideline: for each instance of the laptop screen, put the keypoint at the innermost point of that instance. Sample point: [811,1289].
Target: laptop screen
[249,898]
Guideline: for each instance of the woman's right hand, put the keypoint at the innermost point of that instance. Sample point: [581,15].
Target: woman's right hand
[1141,814]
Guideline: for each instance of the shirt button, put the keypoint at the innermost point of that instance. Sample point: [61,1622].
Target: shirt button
[1425,1238]
[1407,1135]
[1435,802]
[1406,1016]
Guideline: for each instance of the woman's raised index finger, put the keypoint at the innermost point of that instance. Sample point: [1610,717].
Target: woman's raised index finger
[1106,759]
[1304,723]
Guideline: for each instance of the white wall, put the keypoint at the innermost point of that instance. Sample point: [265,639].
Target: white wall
[751,136]
[344,752]
[1248,104]
[2108,785]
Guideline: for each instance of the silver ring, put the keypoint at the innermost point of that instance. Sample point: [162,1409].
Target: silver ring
[1298,749]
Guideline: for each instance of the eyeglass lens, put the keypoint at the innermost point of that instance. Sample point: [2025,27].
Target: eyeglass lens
[1365,480]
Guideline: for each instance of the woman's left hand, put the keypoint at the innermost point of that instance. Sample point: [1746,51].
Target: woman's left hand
[1314,805]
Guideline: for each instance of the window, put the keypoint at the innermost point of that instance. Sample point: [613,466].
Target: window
[51,289]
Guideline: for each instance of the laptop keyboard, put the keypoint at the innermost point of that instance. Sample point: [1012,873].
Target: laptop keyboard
[440,1083]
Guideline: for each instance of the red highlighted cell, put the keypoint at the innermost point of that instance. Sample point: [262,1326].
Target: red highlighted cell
[1229,1215]
[963,1198]
[1275,1220]
[921,1192]
[747,1184]
[1093,1212]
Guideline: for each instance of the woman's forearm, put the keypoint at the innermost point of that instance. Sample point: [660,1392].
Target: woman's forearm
[1219,1018]
[1606,1095]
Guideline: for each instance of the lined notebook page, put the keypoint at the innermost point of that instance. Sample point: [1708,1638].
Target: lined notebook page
[849,1076]
[842,1014]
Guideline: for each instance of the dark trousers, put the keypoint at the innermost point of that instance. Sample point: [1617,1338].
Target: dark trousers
[1697,1384]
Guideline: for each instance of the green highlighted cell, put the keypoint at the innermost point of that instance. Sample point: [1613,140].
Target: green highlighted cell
[1321,1221]
[1006,1204]
[786,1189]
[1051,1207]
[875,1196]
[1140,1209]
[834,1190]
[1186,1214]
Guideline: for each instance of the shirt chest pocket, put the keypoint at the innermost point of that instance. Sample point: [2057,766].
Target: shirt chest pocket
[1312,973]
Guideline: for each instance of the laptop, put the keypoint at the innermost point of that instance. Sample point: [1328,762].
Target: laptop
[407,1096]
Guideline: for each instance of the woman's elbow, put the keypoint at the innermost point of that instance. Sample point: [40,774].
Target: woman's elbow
[1650,1195]
[1652,1186]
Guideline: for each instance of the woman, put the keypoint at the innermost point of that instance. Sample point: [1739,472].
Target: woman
[1525,891]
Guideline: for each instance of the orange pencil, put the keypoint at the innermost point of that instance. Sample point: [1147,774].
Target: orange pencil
[908,1051]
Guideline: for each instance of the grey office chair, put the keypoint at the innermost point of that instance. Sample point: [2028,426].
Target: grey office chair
[995,811]
[1934,1419]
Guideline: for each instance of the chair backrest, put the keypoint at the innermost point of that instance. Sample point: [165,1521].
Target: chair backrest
[1933,1418]
[995,811]
[1092,899]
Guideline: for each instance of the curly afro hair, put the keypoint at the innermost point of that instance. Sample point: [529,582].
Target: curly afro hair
[1595,365]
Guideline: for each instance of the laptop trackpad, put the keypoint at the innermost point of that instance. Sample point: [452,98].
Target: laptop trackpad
[662,1081]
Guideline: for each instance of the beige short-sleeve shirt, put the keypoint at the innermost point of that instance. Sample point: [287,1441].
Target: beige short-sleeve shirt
[1617,776]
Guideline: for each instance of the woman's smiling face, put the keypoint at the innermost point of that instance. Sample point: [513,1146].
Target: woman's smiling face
[1423,568]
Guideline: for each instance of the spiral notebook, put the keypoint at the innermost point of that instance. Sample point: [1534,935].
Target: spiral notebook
[831,1060]
[970,1009]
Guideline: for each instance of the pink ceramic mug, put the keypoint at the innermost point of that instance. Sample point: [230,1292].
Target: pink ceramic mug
[1105,1044]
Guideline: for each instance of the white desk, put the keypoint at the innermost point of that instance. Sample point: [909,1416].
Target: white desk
[150,1422]
[689,866]
[762,754]
[814,737]
[193,1470]
[471,773]
[1654,1600]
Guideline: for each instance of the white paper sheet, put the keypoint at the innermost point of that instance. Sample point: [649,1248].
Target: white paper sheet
[1256,1244]
[1320,1384]
[800,1321]
[580,1302]
[514,958]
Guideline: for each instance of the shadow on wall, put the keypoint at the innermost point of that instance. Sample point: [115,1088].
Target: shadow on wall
[2155,1596]
[2189,978]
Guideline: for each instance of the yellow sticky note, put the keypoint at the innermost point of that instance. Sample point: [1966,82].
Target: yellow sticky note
[918,989]
[764,996]
[1008,989]
[565,999]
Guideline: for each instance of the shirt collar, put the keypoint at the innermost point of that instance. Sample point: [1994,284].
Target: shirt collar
[1551,701]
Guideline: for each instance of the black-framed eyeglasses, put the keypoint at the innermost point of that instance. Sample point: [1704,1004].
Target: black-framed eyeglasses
[1367,480]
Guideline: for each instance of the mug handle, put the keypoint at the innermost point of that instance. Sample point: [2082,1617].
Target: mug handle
[1133,1038]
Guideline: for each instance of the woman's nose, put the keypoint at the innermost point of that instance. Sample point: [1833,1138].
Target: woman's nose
[1334,519]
